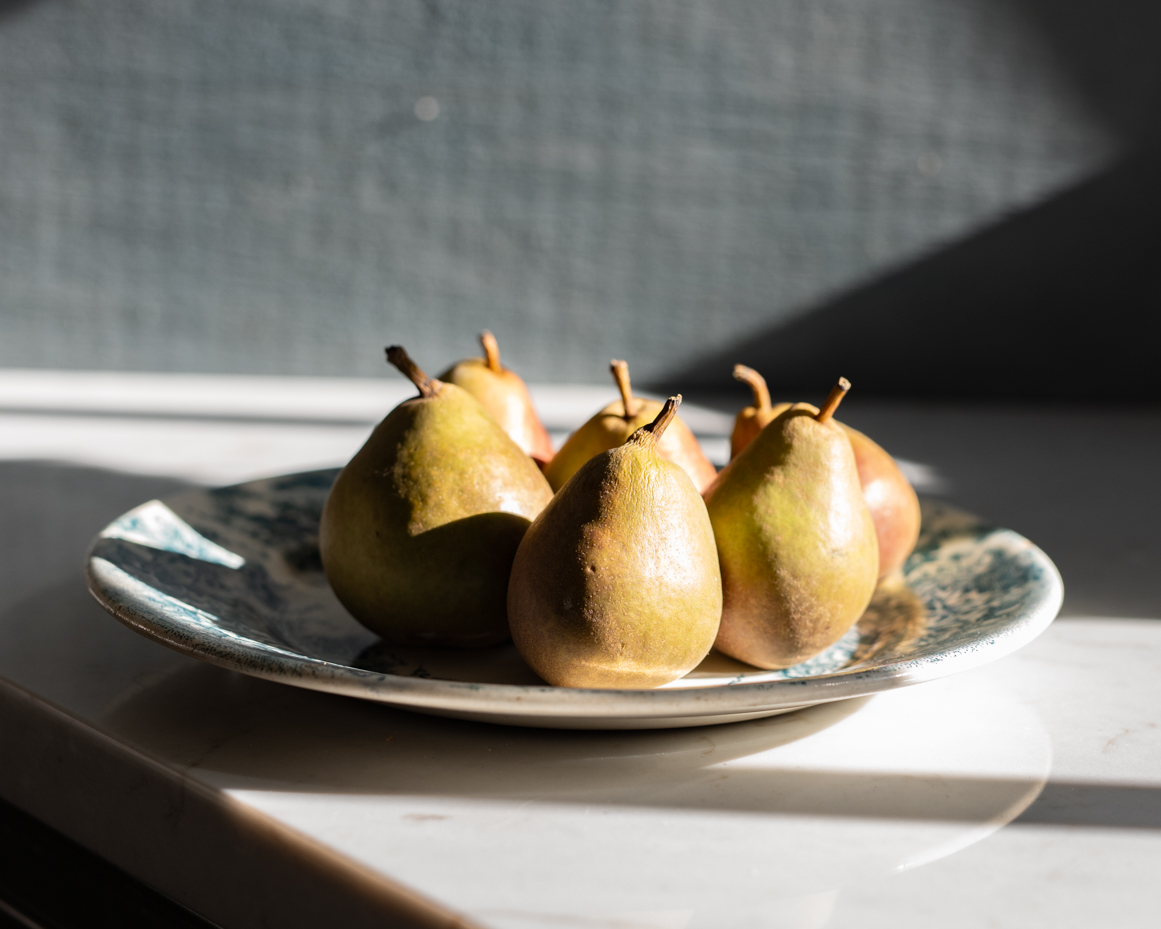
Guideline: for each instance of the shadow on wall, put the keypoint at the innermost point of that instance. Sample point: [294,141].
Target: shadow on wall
[1108,49]
[1061,302]
[8,7]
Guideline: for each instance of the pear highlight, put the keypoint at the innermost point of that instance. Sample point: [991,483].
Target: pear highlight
[892,500]
[503,393]
[613,425]
[616,584]
[420,528]
[797,544]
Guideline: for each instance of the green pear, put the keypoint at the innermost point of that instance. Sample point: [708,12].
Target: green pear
[420,528]
[890,497]
[796,541]
[503,393]
[619,420]
[617,582]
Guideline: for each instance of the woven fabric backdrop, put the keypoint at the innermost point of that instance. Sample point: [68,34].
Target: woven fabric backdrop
[287,185]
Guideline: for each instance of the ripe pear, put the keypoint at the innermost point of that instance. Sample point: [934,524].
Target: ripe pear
[619,420]
[752,419]
[420,528]
[797,544]
[617,582]
[503,393]
[891,498]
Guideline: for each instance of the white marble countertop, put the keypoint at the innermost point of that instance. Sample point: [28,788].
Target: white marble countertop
[1024,793]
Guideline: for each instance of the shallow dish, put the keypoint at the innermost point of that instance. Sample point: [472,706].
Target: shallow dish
[232,576]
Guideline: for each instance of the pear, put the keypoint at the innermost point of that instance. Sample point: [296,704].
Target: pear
[891,498]
[617,582]
[420,528]
[797,545]
[752,419]
[503,393]
[619,420]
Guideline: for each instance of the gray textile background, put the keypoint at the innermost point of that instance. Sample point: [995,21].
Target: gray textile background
[214,185]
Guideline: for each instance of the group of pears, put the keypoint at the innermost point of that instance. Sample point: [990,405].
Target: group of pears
[623,558]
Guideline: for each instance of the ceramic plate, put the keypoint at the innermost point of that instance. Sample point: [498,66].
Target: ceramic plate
[232,576]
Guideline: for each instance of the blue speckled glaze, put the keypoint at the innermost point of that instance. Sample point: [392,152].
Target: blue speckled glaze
[233,576]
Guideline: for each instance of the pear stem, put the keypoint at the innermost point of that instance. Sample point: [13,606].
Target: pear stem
[621,375]
[833,399]
[428,386]
[757,385]
[655,429]
[491,351]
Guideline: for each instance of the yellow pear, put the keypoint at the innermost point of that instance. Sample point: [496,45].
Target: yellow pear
[619,420]
[503,393]
[617,582]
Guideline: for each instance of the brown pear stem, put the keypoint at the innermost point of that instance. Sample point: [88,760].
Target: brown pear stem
[621,375]
[833,399]
[491,351]
[428,386]
[757,386]
[655,429]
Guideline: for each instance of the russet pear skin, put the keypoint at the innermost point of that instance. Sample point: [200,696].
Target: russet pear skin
[890,497]
[420,529]
[752,419]
[610,428]
[796,541]
[617,584]
[749,422]
[503,393]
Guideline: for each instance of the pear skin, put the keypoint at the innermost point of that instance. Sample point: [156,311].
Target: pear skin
[617,583]
[891,498]
[613,425]
[503,393]
[797,545]
[752,419]
[420,528]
